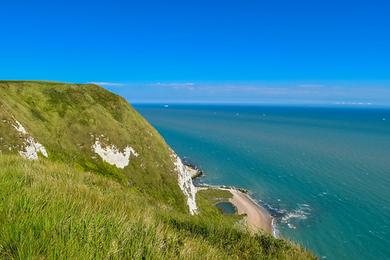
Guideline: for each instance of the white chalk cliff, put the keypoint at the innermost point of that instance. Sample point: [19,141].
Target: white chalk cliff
[185,183]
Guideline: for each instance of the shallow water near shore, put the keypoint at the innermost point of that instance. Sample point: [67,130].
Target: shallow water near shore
[323,173]
[226,207]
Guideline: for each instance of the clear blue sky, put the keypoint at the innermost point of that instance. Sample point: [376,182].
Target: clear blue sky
[209,47]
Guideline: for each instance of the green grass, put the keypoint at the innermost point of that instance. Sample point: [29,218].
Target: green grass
[50,210]
[74,205]
[63,116]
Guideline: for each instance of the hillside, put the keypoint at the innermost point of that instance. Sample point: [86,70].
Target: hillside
[84,175]
[73,121]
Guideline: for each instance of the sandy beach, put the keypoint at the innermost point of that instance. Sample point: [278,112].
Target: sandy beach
[256,216]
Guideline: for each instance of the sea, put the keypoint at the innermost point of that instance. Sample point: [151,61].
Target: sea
[322,173]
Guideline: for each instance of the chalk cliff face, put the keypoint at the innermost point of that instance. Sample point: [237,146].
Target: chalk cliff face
[89,127]
[185,183]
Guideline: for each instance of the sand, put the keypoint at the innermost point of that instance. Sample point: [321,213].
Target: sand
[257,218]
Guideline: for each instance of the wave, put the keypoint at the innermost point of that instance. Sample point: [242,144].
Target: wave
[301,213]
[286,217]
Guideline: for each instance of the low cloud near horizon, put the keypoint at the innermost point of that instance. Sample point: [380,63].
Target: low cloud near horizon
[107,84]
[333,93]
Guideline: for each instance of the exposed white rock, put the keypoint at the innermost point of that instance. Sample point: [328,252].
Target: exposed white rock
[112,155]
[185,183]
[20,128]
[32,147]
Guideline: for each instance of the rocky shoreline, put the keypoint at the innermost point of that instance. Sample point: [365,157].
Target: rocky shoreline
[257,217]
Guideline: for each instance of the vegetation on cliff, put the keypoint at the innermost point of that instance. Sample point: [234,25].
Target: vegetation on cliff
[74,204]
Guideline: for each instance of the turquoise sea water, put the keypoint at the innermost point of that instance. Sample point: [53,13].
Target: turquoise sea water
[323,173]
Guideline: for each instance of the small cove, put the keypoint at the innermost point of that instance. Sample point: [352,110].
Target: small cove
[226,207]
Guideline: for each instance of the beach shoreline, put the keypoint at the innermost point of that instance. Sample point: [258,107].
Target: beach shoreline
[257,217]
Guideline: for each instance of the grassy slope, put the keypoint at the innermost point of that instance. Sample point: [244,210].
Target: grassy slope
[72,206]
[52,210]
[62,117]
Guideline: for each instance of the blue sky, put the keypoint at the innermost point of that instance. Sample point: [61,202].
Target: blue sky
[307,51]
